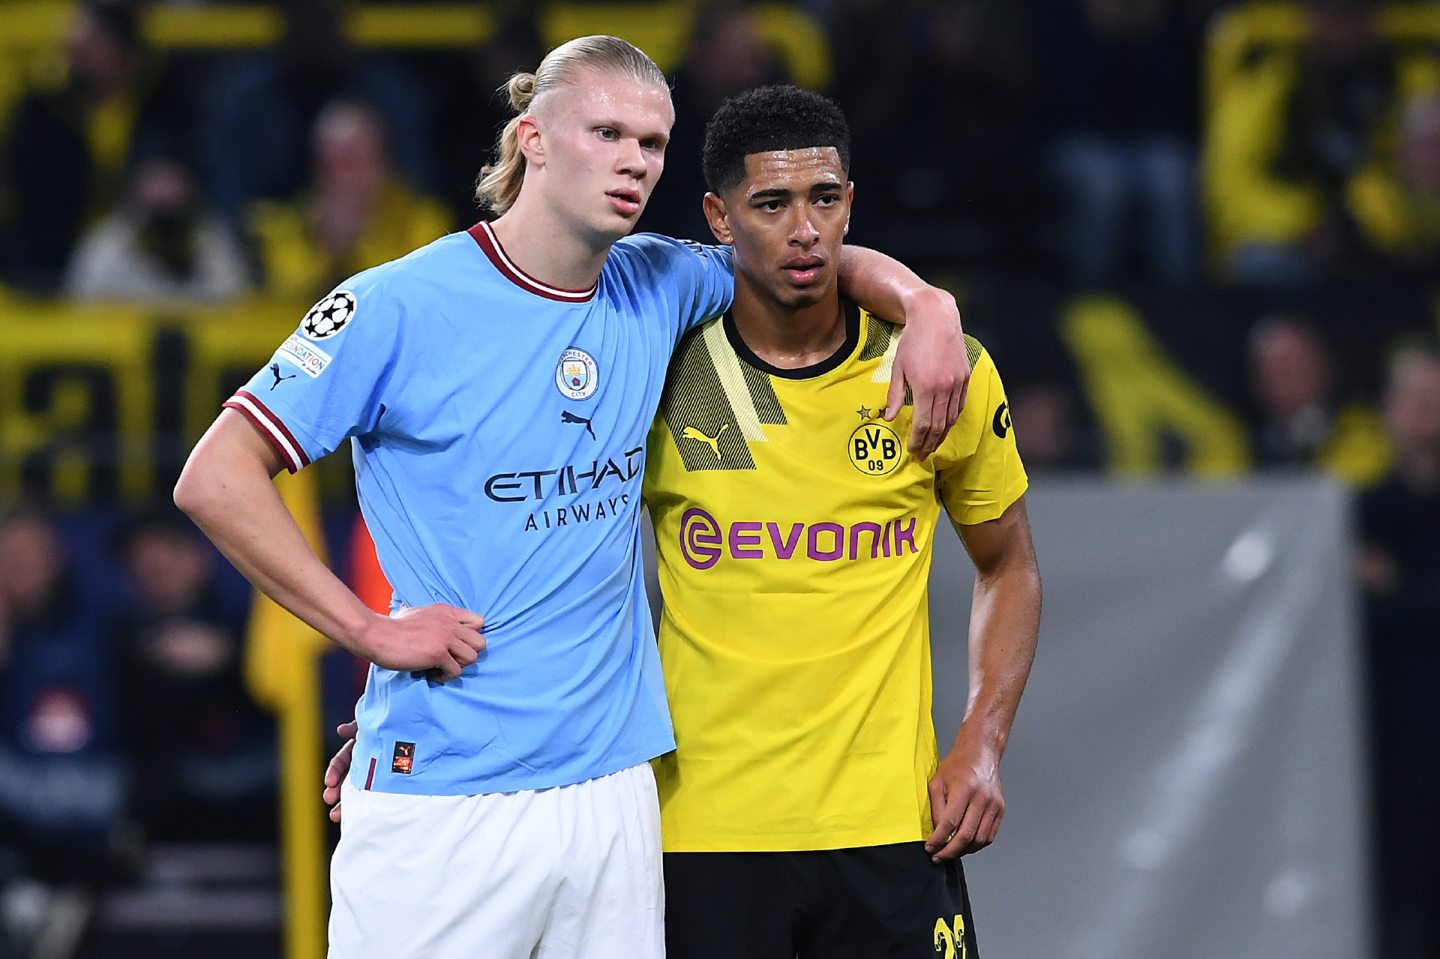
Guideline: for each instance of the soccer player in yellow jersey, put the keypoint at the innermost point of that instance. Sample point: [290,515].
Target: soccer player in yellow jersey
[804,813]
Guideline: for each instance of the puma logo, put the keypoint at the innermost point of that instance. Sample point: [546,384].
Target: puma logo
[691,433]
[568,417]
[275,369]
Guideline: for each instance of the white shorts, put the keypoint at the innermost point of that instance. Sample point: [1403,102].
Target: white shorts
[541,874]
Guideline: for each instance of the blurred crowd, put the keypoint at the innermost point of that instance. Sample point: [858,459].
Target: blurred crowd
[124,718]
[1074,141]
[1057,137]
[1085,144]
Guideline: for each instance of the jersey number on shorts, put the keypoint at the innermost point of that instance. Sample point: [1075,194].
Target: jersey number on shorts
[950,939]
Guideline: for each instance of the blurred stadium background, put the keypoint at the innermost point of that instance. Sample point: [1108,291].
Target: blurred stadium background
[1201,238]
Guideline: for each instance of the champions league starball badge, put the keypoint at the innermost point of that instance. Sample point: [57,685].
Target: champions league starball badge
[577,376]
[329,316]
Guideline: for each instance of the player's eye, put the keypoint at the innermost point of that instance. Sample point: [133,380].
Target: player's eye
[827,199]
[772,206]
[607,133]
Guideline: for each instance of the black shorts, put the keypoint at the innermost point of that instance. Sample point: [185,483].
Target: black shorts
[873,902]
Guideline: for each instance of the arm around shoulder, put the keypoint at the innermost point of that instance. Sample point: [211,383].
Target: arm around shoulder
[932,360]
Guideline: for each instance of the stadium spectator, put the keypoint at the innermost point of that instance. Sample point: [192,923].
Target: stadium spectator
[260,108]
[1296,141]
[727,54]
[207,750]
[65,151]
[470,110]
[1121,92]
[1047,432]
[1398,209]
[1301,419]
[1400,574]
[62,780]
[358,212]
[159,244]
[944,145]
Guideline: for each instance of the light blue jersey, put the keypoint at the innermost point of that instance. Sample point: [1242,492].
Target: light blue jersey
[498,429]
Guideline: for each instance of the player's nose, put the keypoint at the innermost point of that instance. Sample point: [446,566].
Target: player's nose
[804,232]
[631,160]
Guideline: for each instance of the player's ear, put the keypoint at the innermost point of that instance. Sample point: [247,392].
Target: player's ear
[849,205]
[527,134]
[718,218]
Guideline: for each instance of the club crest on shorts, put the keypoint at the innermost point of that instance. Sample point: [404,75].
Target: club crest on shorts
[331,315]
[577,376]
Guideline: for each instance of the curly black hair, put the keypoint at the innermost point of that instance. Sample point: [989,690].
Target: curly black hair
[780,117]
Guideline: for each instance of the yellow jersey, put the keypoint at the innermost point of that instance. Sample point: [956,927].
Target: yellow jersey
[794,535]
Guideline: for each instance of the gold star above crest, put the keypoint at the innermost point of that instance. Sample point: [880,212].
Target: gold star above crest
[865,413]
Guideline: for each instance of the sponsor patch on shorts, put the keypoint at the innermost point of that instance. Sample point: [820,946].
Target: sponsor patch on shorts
[403,761]
[305,355]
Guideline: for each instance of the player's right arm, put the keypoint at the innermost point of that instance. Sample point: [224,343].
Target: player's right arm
[328,382]
[227,489]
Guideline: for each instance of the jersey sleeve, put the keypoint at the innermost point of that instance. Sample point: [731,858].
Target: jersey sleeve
[696,278]
[328,380]
[979,473]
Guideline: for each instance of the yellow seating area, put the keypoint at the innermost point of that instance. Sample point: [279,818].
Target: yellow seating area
[1251,63]
[34,27]
[86,390]
[1239,33]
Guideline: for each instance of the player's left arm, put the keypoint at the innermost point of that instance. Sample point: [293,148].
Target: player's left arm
[931,359]
[967,802]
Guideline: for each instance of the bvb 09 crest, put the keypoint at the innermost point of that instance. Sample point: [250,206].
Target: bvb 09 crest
[577,376]
[874,449]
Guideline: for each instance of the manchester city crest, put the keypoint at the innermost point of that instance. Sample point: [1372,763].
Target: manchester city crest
[577,376]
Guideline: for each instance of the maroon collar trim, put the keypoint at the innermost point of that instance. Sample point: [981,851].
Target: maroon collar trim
[484,235]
